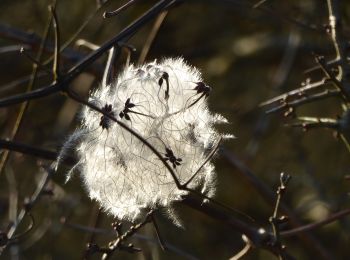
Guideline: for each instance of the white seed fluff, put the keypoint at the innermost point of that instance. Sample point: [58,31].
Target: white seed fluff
[166,104]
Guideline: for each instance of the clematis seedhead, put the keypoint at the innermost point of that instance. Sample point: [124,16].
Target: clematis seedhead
[166,104]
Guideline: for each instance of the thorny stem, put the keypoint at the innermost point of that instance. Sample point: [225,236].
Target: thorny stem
[333,10]
[274,219]
[95,219]
[341,79]
[259,237]
[321,61]
[116,244]
[294,93]
[94,230]
[303,100]
[314,122]
[340,45]
[267,194]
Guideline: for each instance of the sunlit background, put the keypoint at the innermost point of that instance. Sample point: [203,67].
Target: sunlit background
[247,56]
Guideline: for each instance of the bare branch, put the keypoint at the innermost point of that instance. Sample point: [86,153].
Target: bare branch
[119,10]
[244,250]
[33,151]
[276,221]
[314,122]
[294,93]
[152,35]
[313,226]
[289,106]
[65,80]
[24,106]
[29,204]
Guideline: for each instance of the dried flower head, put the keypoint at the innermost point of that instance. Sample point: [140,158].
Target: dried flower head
[166,104]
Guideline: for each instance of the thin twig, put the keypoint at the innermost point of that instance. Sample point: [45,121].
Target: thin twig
[119,10]
[83,64]
[275,221]
[267,194]
[314,122]
[258,236]
[118,243]
[152,35]
[294,93]
[340,46]
[30,86]
[19,81]
[345,141]
[33,41]
[313,226]
[56,60]
[209,157]
[170,247]
[321,61]
[108,73]
[159,237]
[281,17]
[33,151]
[13,195]
[258,4]
[34,61]
[29,205]
[304,100]
[244,250]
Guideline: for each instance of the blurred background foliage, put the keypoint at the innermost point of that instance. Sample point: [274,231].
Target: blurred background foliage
[247,56]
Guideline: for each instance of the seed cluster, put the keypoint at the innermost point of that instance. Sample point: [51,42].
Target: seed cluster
[166,104]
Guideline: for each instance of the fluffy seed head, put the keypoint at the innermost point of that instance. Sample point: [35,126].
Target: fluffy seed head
[166,104]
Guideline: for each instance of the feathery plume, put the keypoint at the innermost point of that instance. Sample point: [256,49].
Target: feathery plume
[166,104]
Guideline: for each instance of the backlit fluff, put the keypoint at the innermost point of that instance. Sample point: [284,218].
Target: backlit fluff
[166,104]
